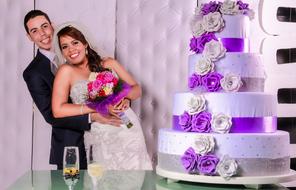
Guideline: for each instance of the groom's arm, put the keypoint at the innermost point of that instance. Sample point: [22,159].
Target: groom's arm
[41,95]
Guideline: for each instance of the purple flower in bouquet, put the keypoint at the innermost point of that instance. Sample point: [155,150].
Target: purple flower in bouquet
[197,44]
[242,5]
[185,121]
[212,81]
[207,164]
[190,160]
[194,81]
[210,7]
[201,122]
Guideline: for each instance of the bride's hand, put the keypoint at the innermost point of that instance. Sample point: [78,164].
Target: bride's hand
[121,106]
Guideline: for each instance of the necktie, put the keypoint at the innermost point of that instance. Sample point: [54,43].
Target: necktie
[54,65]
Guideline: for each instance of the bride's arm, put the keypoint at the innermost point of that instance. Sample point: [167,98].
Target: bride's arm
[60,95]
[136,90]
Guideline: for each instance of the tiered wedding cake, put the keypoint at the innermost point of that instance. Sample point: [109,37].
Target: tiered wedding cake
[225,127]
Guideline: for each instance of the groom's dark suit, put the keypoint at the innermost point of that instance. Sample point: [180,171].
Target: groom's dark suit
[67,131]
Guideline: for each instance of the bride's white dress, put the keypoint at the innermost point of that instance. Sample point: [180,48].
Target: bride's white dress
[116,148]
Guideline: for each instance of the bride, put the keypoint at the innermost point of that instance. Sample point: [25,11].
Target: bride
[114,145]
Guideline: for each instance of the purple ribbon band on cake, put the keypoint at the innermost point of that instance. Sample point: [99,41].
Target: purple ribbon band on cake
[235,44]
[254,125]
[243,124]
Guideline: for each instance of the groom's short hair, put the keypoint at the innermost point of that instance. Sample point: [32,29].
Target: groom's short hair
[32,14]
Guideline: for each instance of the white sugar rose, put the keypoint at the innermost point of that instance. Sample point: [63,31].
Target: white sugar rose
[213,22]
[196,26]
[214,50]
[229,7]
[204,66]
[221,123]
[196,104]
[204,144]
[227,167]
[231,82]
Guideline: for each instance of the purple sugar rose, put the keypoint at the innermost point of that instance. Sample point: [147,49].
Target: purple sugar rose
[207,164]
[194,81]
[190,160]
[201,122]
[185,121]
[193,45]
[212,81]
[242,6]
[197,44]
[210,7]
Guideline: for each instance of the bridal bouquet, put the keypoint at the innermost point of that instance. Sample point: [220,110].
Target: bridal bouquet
[105,89]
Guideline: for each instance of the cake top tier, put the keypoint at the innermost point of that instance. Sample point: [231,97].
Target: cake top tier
[228,19]
[225,7]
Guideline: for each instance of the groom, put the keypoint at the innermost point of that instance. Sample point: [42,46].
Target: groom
[39,77]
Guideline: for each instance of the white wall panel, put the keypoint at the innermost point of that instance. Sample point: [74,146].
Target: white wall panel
[279,35]
[269,20]
[16,105]
[279,75]
[97,15]
[153,44]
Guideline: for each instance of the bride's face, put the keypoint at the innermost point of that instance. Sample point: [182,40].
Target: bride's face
[73,50]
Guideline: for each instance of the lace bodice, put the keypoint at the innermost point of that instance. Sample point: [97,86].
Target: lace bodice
[78,92]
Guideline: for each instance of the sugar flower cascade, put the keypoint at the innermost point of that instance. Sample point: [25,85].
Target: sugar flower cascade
[208,20]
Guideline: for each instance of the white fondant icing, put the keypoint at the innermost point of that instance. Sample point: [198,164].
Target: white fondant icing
[236,145]
[236,104]
[236,26]
[243,64]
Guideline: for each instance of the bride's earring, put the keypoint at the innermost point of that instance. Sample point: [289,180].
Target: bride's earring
[86,52]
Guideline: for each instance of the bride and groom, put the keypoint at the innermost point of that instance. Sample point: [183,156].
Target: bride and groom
[74,123]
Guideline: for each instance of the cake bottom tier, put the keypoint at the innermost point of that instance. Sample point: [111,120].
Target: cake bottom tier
[256,154]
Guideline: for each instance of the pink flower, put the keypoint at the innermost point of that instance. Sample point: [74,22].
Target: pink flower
[97,84]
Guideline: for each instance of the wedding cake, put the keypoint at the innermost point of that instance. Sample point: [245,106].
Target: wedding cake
[225,126]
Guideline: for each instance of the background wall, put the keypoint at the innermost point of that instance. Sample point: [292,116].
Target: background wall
[150,38]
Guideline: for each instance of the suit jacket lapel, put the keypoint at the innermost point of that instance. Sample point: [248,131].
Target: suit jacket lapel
[44,68]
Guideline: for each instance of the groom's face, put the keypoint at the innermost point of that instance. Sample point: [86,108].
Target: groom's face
[40,32]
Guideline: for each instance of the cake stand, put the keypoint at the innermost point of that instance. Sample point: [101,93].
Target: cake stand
[250,182]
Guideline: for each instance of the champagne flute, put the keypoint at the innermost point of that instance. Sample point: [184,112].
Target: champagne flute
[94,168]
[71,166]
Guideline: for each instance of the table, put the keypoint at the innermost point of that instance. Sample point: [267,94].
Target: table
[115,180]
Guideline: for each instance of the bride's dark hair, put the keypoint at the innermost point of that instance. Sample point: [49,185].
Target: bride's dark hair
[94,59]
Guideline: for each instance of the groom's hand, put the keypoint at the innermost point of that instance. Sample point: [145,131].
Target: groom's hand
[111,120]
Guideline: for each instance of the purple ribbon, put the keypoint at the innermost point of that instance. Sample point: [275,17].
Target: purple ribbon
[235,44]
[243,124]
